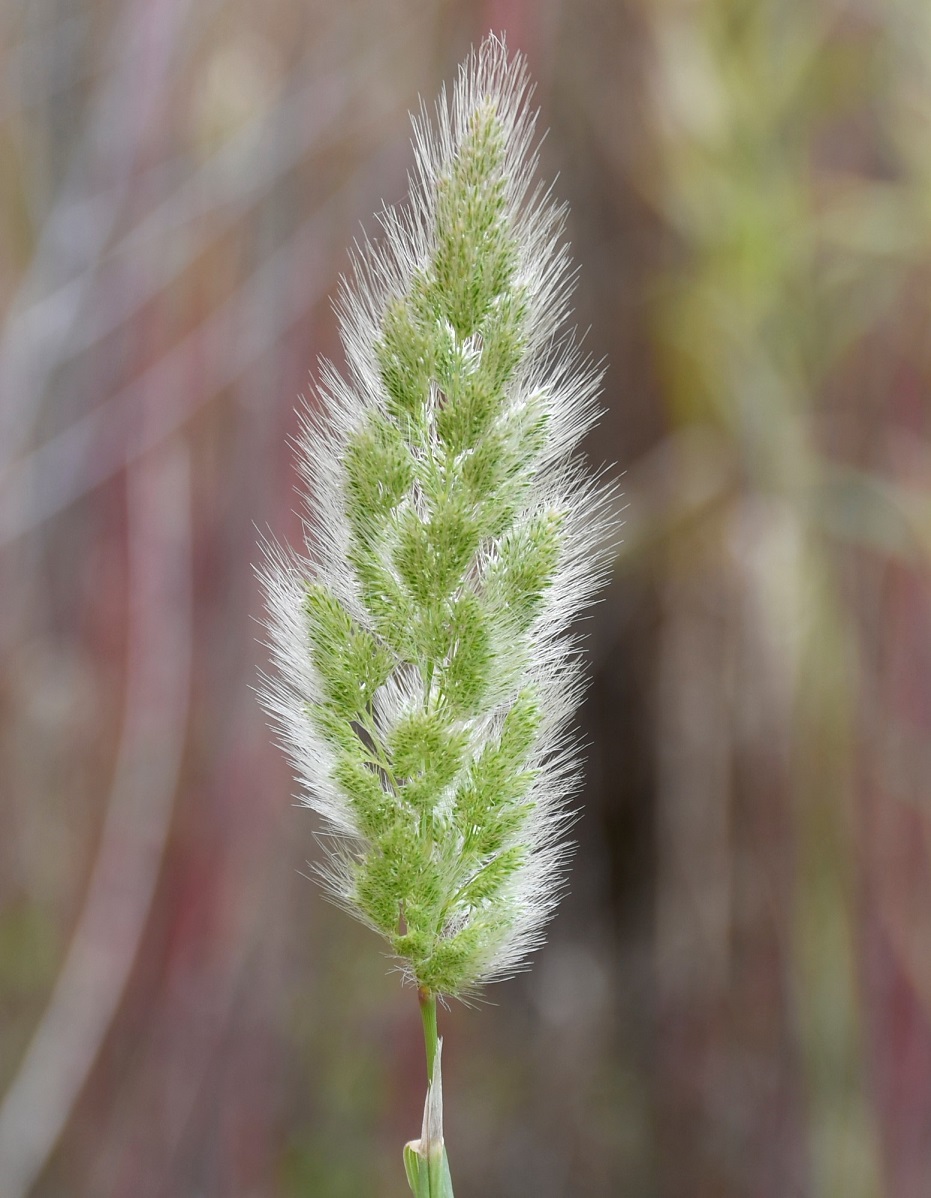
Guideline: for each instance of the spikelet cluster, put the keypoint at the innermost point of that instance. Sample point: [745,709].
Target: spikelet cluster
[424,678]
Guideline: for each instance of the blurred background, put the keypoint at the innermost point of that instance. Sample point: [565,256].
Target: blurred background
[736,997]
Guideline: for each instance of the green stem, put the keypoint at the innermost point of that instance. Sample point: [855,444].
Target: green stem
[428,1015]
[425,1159]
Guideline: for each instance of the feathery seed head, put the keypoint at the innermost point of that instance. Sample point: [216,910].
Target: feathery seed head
[424,673]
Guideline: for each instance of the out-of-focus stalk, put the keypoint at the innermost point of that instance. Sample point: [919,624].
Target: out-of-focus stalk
[775,285]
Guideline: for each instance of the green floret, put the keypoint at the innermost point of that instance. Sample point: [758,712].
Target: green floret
[487,806]
[351,662]
[406,354]
[427,753]
[374,806]
[466,674]
[487,881]
[432,554]
[476,256]
[379,471]
[527,559]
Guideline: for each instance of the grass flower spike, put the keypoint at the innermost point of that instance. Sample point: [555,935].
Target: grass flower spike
[425,678]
